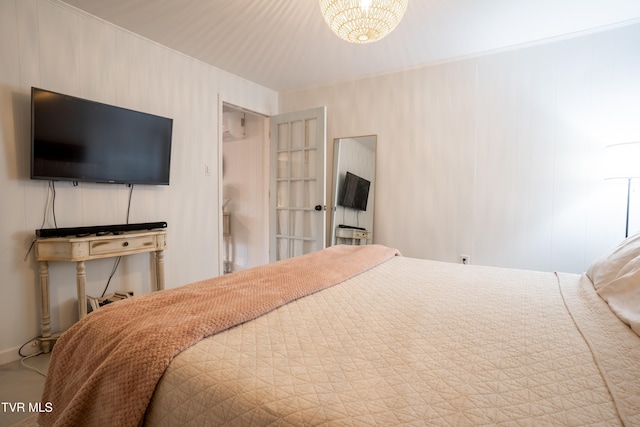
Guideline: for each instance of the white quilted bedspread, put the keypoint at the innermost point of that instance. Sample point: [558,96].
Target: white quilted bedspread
[416,342]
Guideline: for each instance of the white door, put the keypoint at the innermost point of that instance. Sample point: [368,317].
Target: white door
[297,183]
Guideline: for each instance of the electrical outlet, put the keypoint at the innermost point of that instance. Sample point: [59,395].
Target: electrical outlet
[465,259]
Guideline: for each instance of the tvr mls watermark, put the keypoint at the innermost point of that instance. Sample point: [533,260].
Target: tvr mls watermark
[13,407]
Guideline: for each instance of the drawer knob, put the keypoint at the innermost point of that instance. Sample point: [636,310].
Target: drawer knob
[125,244]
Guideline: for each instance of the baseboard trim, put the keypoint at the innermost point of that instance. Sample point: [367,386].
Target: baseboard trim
[9,355]
[12,354]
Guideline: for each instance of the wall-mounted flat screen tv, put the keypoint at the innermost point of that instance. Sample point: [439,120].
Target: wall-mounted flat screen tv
[74,139]
[355,192]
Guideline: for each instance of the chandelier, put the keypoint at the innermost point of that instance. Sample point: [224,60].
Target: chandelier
[362,21]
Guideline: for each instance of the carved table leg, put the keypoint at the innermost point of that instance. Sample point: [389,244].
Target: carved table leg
[44,299]
[81,280]
[159,270]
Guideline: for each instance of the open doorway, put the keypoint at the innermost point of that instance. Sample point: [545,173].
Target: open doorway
[245,188]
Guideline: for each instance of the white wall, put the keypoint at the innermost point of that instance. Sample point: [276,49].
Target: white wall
[51,45]
[498,156]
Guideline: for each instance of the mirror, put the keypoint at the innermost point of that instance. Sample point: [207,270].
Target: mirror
[354,171]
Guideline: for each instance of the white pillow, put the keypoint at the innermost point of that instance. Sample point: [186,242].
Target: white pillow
[616,278]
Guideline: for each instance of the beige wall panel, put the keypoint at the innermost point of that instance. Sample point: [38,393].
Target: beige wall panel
[497,156]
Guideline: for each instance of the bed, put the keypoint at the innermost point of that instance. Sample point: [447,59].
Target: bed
[393,341]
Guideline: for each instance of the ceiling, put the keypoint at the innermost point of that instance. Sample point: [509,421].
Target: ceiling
[285,44]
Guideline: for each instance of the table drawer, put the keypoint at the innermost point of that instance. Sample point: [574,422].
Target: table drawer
[358,234]
[352,233]
[126,244]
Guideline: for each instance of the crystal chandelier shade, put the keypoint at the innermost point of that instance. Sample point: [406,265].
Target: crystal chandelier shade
[362,21]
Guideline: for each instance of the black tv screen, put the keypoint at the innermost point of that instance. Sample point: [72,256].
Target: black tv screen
[74,139]
[355,192]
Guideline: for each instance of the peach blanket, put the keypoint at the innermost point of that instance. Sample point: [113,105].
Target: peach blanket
[104,369]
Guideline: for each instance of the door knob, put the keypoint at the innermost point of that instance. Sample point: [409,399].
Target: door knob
[318,207]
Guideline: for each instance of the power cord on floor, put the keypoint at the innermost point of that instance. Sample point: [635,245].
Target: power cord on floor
[33,368]
[29,356]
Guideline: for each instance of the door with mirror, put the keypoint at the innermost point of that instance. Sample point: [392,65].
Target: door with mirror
[354,170]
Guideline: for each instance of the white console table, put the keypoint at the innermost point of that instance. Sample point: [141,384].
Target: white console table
[352,236]
[81,249]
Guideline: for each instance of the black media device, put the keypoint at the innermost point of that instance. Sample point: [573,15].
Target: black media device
[354,193]
[351,227]
[99,229]
[79,140]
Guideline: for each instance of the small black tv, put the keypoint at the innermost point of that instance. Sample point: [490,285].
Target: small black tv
[355,192]
[79,140]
